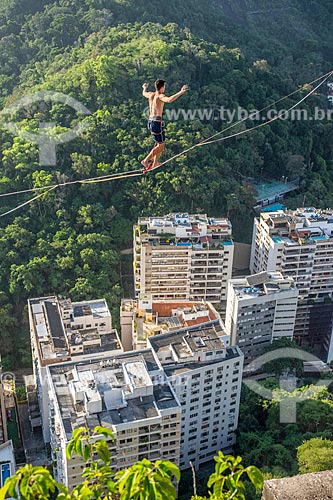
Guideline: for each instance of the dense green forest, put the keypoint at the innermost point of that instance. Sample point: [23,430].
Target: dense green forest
[282,450]
[233,53]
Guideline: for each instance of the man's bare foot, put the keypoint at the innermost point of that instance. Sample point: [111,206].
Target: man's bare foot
[145,164]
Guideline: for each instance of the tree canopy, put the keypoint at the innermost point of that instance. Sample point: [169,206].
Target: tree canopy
[315,455]
[266,442]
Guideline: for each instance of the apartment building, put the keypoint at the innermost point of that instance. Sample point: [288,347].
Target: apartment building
[177,399]
[7,461]
[7,457]
[142,318]
[206,375]
[260,308]
[128,394]
[62,331]
[299,244]
[183,257]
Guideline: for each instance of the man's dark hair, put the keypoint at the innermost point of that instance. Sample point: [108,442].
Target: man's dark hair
[159,84]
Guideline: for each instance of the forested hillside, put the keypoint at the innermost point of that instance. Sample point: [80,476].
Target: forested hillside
[231,53]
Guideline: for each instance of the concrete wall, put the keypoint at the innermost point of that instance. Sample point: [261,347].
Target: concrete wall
[242,252]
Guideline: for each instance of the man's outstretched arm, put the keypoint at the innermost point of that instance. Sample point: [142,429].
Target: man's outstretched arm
[173,97]
[144,90]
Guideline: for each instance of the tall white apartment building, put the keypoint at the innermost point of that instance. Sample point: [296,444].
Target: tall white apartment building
[183,257]
[260,308]
[299,243]
[206,375]
[177,399]
[128,394]
[62,331]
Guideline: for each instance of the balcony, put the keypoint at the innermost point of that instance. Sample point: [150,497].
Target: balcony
[143,449]
[143,439]
[155,427]
[155,437]
[154,446]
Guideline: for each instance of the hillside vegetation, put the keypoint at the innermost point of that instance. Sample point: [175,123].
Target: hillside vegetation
[230,53]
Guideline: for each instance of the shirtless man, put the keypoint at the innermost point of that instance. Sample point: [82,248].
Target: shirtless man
[155,123]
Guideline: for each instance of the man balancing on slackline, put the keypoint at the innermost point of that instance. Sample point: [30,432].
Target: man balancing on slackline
[155,123]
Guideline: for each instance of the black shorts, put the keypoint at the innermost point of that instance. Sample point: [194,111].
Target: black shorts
[156,128]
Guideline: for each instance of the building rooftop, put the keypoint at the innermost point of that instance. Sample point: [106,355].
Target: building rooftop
[181,368]
[154,318]
[114,391]
[204,338]
[299,227]
[193,221]
[183,229]
[97,309]
[269,189]
[128,305]
[188,349]
[64,329]
[260,284]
